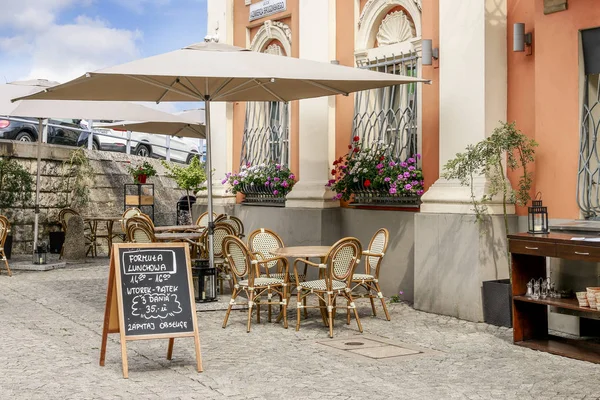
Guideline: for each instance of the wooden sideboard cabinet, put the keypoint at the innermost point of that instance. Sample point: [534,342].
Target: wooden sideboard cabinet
[530,316]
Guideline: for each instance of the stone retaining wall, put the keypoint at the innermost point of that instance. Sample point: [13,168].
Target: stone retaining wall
[106,195]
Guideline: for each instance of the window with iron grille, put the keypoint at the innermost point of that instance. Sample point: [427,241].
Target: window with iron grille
[388,116]
[588,196]
[266,128]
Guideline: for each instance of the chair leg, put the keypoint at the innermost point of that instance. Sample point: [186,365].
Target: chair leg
[285,296]
[6,263]
[233,296]
[269,295]
[305,309]
[385,310]
[250,304]
[360,329]
[330,314]
[298,307]
[348,313]
[370,289]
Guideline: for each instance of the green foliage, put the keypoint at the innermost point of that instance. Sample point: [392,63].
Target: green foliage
[78,177]
[16,184]
[486,159]
[144,168]
[189,178]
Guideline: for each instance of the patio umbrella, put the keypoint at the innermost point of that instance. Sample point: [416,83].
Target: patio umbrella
[42,109]
[219,72]
[186,129]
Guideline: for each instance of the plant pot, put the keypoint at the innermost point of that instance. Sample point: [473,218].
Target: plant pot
[8,246]
[141,179]
[497,302]
[56,241]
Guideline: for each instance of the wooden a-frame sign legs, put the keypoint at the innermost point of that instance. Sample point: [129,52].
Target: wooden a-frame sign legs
[113,315]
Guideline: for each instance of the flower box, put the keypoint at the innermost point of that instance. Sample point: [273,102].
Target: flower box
[383,198]
[262,185]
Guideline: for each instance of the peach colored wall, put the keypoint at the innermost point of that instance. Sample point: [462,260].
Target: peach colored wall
[241,23]
[521,81]
[430,126]
[557,102]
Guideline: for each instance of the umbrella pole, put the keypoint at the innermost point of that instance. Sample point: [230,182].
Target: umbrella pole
[37,183]
[208,167]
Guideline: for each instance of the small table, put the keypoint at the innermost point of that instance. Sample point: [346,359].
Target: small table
[93,222]
[178,228]
[178,236]
[307,252]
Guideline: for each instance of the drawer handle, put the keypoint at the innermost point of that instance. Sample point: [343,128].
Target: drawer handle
[531,248]
[582,254]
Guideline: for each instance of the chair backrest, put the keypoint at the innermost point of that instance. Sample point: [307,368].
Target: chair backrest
[234,222]
[203,218]
[139,233]
[137,221]
[378,244]
[64,215]
[238,257]
[219,234]
[4,228]
[263,241]
[342,259]
[130,212]
[148,219]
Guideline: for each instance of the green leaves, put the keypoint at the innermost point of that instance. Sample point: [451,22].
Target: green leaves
[78,177]
[144,168]
[16,184]
[191,177]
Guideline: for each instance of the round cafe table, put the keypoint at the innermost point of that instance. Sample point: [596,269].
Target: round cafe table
[177,228]
[307,252]
[93,224]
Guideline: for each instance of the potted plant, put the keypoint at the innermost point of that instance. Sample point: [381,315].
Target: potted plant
[487,158]
[141,172]
[371,176]
[263,184]
[190,178]
[16,187]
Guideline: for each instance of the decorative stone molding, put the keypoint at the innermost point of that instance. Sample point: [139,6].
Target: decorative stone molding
[395,28]
[374,12]
[273,30]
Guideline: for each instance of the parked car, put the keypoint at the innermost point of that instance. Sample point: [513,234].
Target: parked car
[61,131]
[148,145]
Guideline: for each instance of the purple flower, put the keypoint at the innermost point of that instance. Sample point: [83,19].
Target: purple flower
[387,179]
[284,184]
[228,174]
[276,179]
[337,196]
[275,192]
[292,176]
[224,181]
[408,186]
[392,190]
[418,156]
[411,160]
[411,168]
[392,164]
[236,182]
[379,166]
[277,166]
[332,181]
[420,192]
[403,164]
[414,183]
[343,167]
[406,174]
[266,183]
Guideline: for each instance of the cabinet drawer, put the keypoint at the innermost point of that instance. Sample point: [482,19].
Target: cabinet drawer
[534,248]
[584,253]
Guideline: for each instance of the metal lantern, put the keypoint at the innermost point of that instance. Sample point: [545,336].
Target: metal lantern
[537,218]
[39,254]
[205,281]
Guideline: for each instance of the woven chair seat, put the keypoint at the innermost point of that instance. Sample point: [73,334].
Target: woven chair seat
[362,277]
[262,282]
[319,284]
[302,277]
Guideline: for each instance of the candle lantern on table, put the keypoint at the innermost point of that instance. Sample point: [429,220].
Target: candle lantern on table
[205,281]
[537,216]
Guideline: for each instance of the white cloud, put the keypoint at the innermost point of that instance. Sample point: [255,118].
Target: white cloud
[139,6]
[42,48]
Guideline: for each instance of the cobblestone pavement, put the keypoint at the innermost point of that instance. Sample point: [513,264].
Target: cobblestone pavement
[50,332]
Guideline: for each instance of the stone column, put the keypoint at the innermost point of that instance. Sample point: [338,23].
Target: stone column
[454,253]
[220,28]
[317,116]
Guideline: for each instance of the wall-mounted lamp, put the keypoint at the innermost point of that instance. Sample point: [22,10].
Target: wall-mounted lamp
[429,53]
[520,38]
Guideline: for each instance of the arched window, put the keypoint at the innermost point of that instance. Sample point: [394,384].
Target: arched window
[266,127]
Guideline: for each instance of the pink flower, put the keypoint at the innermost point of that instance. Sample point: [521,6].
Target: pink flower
[224,181]
[418,156]
[275,192]
[387,179]
[379,166]
[411,168]
[267,183]
[392,164]
[420,192]
[392,190]
[292,176]
[277,166]
[407,174]
[284,184]
[408,186]
[276,179]
[337,196]
[403,164]
[411,160]
[236,182]
[414,183]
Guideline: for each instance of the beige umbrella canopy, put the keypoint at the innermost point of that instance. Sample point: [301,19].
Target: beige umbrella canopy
[218,72]
[41,109]
[195,130]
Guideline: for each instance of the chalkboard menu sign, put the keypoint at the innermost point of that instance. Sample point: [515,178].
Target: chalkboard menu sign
[155,291]
[150,296]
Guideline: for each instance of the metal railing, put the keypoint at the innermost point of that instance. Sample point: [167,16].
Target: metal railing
[100,131]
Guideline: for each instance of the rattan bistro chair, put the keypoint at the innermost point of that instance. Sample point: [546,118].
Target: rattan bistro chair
[337,280]
[370,279]
[234,222]
[139,233]
[4,229]
[219,234]
[203,218]
[243,266]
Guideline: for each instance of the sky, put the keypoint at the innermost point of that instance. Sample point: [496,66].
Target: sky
[62,39]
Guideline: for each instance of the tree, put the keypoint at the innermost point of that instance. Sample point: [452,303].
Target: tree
[189,178]
[16,184]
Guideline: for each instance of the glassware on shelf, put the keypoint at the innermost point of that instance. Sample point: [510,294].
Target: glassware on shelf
[544,289]
[536,289]
[529,288]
